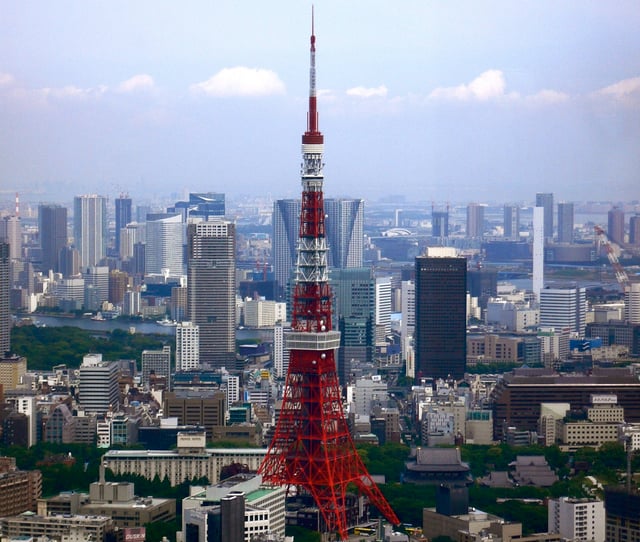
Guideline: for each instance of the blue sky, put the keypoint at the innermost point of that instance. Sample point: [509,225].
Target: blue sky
[445,101]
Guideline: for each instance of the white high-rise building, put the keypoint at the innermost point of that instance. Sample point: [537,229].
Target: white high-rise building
[98,388]
[280,351]
[187,346]
[232,390]
[408,322]
[562,308]
[581,520]
[90,228]
[632,303]
[132,305]
[383,307]
[165,241]
[538,251]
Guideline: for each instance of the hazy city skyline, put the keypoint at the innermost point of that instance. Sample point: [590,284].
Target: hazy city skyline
[456,101]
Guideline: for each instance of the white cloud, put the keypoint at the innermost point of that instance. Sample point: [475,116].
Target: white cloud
[488,85]
[241,81]
[548,97]
[625,91]
[140,82]
[363,92]
[71,92]
[6,79]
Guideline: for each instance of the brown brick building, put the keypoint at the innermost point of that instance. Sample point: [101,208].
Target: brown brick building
[19,490]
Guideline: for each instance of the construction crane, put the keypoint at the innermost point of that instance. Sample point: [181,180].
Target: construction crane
[621,274]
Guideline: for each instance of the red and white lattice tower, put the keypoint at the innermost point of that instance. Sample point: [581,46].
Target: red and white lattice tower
[312,448]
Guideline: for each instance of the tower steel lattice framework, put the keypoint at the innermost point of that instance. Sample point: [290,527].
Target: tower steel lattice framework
[312,448]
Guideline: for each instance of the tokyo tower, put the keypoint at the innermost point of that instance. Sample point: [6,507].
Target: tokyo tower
[312,448]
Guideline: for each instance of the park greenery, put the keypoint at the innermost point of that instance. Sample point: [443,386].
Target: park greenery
[46,347]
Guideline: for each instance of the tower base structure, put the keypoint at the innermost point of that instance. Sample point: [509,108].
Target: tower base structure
[312,448]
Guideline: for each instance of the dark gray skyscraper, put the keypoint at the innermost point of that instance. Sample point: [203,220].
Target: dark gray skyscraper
[52,227]
[615,225]
[545,200]
[475,220]
[5,316]
[439,223]
[511,221]
[634,230]
[211,289]
[565,222]
[441,317]
[123,217]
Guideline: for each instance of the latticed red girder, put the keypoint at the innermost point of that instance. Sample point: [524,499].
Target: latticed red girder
[312,447]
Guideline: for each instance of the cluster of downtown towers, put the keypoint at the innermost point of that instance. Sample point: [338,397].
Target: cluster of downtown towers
[193,238]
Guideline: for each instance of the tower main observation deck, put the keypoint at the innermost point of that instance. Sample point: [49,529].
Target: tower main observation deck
[312,448]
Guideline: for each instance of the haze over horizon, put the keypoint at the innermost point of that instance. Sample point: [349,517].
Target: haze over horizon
[455,101]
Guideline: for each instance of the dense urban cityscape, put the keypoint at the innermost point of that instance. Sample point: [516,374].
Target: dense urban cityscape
[210,367]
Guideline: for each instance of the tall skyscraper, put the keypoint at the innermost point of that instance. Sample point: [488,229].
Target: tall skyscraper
[187,346]
[90,228]
[5,315]
[211,289]
[11,232]
[545,200]
[512,221]
[286,223]
[562,308]
[165,244]
[408,322]
[565,222]
[383,308]
[538,251]
[52,228]
[123,217]
[441,317]
[634,230]
[615,228]
[344,230]
[312,447]
[475,220]
[439,223]
[354,313]
[345,221]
